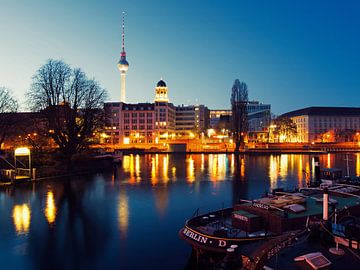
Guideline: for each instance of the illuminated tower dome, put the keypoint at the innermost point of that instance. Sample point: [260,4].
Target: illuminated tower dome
[161,92]
[123,64]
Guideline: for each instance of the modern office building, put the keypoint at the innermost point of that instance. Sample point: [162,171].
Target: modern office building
[191,119]
[259,117]
[326,124]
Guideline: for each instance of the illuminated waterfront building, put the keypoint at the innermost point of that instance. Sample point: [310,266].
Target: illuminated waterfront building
[141,123]
[191,119]
[153,123]
[326,124]
[164,113]
[259,117]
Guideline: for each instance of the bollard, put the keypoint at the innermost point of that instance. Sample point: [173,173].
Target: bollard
[33,174]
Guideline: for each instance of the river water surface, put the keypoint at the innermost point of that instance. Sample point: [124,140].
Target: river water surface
[129,218]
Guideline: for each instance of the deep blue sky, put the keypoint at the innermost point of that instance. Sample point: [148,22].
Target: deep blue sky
[291,54]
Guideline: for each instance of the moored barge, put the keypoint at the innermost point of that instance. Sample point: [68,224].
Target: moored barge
[266,218]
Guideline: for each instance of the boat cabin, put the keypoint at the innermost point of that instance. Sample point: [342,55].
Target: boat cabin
[331,175]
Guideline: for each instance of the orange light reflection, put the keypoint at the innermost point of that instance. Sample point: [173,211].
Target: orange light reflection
[21,218]
[123,214]
[50,209]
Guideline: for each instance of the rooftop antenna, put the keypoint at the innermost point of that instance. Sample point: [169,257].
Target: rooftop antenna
[123,32]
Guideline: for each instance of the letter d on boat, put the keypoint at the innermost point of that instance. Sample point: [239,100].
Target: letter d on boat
[222,243]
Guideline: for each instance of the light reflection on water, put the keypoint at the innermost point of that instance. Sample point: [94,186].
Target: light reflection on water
[123,214]
[50,209]
[21,217]
[130,215]
[190,169]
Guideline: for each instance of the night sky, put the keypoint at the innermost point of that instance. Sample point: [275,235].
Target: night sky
[291,54]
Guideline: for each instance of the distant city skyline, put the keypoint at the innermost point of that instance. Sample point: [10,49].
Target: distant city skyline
[291,54]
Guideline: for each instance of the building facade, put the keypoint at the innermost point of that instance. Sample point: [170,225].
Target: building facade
[191,119]
[147,123]
[326,124]
[259,117]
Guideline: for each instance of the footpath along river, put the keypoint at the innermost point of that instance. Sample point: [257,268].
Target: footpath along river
[129,218]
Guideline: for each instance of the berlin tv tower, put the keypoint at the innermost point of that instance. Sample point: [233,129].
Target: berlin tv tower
[123,65]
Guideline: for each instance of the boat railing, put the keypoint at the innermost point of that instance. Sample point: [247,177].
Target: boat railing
[196,213]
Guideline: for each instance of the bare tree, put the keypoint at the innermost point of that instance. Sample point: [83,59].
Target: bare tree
[8,106]
[239,101]
[70,101]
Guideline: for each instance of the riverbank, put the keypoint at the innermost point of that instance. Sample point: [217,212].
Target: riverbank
[87,165]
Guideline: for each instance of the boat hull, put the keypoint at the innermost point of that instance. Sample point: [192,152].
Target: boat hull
[211,243]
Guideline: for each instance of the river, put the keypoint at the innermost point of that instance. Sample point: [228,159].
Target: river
[129,218]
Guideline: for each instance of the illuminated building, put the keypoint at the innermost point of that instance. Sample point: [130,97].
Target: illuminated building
[191,118]
[141,123]
[326,124]
[123,65]
[164,112]
[259,117]
[220,118]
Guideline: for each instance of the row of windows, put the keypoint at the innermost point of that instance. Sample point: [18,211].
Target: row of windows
[138,108]
[141,121]
[185,124]
[127,115]
[337,119]
[184,109]
[336,125]
[185,118]
[141,134]
[257,108]
[141,127]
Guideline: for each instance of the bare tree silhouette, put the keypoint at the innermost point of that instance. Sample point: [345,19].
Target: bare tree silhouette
[70,101]
[239,101]
[8,106]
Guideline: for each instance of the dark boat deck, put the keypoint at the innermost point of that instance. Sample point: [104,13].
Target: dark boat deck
[285,258]
[225,228]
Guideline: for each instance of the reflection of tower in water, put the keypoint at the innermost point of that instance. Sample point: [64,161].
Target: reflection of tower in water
[123,214]
[357,164]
